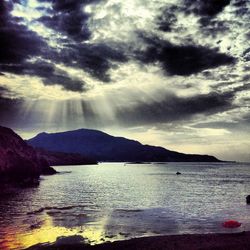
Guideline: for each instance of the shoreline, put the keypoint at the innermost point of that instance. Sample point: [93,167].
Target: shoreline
[228,241]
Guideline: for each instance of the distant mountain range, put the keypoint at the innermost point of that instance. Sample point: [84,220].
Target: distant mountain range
[104,147]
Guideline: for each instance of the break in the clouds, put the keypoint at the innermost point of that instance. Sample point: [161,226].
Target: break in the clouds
[168,72]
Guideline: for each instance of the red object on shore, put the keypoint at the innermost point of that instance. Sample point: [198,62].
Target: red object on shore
[231,224]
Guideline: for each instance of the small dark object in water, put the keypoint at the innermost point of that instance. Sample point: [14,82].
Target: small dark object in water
[178,173]
[248,199]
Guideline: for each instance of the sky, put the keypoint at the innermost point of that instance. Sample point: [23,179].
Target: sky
[172,73]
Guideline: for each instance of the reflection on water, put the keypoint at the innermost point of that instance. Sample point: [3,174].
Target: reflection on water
[112,201]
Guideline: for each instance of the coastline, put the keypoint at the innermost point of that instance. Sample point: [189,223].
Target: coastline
[234,241]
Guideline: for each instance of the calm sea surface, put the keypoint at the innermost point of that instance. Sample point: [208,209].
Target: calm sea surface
[112,201]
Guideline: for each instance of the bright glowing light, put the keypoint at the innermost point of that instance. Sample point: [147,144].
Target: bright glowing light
[47,232]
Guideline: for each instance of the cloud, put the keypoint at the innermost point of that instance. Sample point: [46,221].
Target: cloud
[3,91]
[48,73]
[24,52]
[173,108]
[240,3]
[167,18]
[205,12]
[96,59]
[68,17]
[182,60]
[211,27]
[246,54]
[17,43]
[72,24]
[206,8]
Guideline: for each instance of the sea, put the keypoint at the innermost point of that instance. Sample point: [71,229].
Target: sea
[117,201]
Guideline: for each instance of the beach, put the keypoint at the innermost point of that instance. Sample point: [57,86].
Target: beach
[233,241]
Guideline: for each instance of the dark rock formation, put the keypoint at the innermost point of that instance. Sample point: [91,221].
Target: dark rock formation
[18,160]
[103,147]
[178,173]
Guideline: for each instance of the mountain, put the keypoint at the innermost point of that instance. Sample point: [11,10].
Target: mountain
[18,160]
[103,147]
[61,159]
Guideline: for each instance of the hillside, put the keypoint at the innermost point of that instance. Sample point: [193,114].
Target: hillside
[63,159]
[104,147]
[18,160]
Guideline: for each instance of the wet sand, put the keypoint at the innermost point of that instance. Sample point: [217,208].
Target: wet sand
[235,241]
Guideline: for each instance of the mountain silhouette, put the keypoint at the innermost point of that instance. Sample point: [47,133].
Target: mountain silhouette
[104,147]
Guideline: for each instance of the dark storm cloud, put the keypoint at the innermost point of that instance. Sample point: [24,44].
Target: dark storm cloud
[52,76]
[17,43]
[48,73]
[246,78]
[174,108]
[167,18]
[3,91]
[206,11]
[182,60]
[68,17]
[211,27]
[67,82]
[244,87]
[70,5]
[96,59]
[240,3]
[72,24]
[246,54]
[209,8]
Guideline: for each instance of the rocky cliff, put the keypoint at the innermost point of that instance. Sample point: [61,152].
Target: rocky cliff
[18,160]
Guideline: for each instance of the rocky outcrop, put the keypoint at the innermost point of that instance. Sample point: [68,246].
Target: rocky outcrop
[18,160]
